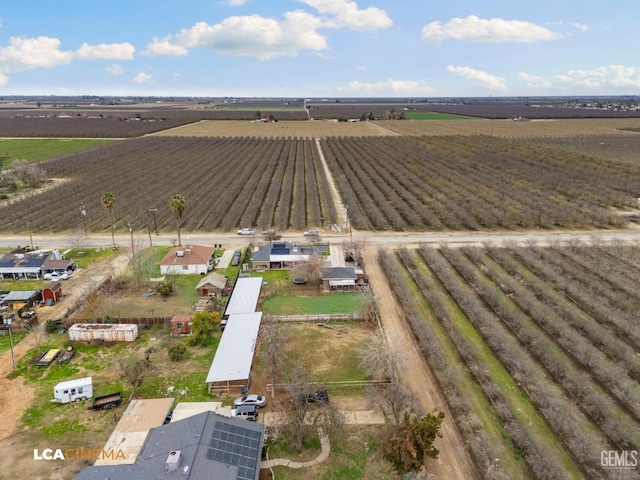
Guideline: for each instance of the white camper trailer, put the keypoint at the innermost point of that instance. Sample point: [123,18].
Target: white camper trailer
[73,390]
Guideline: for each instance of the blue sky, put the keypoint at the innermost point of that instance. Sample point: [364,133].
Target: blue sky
[320,48]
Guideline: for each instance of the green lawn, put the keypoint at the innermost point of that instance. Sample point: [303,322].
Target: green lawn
[5,343]
[314,305]
[33,150]
[86,256]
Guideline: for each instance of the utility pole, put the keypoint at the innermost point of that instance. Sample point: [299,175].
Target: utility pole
[83,212]
[131,232]
[30,234]
[154,210]
[346,212]
[150,242]
[7,321]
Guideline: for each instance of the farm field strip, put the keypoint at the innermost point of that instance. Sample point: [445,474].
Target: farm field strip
[565,354]
[616,347]
[582,293]
[455,178]
[516,129]
[472,411]
[581,388]
[577,433]
[227,183]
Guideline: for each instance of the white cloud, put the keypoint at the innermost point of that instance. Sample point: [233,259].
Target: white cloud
[346,14]
[4,80]
[474,29]
[164,46]
[534,81]
[580,26]
[104,51]
[29,53]
[492,82]
[236,3]
[388,88]
[115,69]
[256,36]
[142,78]
[616,76]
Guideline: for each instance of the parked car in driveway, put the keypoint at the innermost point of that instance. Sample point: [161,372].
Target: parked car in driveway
[56,276]
[246,231]
[318,396]
[246,412]
[311,233]
[257,400]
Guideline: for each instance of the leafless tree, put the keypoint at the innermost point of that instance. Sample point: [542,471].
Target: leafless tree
[303,418]
[77,239]
[274,354]
[378,359]
[29,173]
[393,400]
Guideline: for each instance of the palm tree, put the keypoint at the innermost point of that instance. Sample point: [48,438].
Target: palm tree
[109,203]
[177,207]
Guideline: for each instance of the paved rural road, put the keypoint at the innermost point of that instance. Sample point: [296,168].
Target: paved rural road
[381,239]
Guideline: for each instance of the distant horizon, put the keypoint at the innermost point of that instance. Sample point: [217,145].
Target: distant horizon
[334,49]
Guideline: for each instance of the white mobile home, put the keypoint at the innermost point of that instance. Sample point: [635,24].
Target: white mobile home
[73,390]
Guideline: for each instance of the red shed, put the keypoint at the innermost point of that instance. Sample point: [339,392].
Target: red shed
[181,325]
[53,291]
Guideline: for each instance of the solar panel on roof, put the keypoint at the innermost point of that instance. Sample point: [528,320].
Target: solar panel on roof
[238,446]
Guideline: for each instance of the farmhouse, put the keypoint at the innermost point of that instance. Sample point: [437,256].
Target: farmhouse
[339,278]
[284,255]
[14,266]
[206,445]
[187,260]
[212,285]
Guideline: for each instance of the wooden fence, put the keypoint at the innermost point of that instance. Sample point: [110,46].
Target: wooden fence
[150,321]
[330,317]
[329,385]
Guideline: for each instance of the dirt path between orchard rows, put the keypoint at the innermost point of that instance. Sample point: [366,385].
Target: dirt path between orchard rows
[453,463]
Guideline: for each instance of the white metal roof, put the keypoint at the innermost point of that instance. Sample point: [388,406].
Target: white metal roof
[244,298]
[288,258]
[234,356]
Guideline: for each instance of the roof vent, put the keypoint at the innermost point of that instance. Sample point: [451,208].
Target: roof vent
[173,460]
[180,253]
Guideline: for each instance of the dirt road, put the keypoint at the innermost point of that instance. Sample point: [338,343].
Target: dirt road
[453,463]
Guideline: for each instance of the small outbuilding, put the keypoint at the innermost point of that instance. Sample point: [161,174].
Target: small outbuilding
[212,285]
[339,278]
[52,292]
[181,325]
[86,332]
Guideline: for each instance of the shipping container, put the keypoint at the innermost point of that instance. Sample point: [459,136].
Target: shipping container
[86,332]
